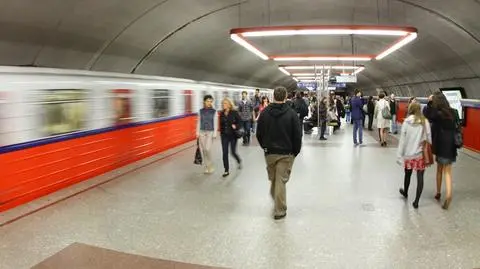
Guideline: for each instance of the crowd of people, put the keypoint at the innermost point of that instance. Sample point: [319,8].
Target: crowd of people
[279,127]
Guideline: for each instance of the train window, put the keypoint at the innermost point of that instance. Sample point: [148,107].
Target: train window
[204,93]
[161,103]
[218,100]
[188,94]
[122,104]
[237,96]
[64,111]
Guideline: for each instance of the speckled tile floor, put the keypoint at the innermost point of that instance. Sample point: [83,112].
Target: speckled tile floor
[344,212]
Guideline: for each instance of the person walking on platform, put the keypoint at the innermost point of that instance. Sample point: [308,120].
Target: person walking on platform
[370,112]
[230,123]
[301,108]
[357,118]
[415,131]
[322,117]
[445,124]
[383,122]
[256,102]
[245,107]
[280,137]
[348,110]
[393,111]
[206,131]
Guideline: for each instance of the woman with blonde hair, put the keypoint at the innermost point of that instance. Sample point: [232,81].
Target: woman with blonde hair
[415,132]
[230,124]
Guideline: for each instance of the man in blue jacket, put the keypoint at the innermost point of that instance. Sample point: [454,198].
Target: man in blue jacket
[357,118]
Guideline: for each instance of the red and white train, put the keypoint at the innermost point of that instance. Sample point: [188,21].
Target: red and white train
[59,127]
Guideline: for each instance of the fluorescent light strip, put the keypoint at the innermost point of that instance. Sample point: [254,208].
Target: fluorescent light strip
[306,74]
[319,67]
[295,79]
[242,42]
[303,78]
[348,58]
[397,46]
[325,32]
[284,71]
[308,80]
[358,70]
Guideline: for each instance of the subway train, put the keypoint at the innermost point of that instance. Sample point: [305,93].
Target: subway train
[59,127]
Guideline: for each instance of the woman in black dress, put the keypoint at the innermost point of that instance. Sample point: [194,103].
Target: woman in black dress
[444,121]
[229,124]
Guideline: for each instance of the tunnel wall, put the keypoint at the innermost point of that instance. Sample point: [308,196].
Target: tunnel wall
[35,169]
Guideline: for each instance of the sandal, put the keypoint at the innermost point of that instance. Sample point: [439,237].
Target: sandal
[446,204]
[437,196]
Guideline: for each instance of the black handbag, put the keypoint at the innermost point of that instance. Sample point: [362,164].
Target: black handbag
[239,132]
[198,155]
[458,135]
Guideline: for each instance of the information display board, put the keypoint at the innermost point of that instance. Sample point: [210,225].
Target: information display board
[454,97]
[346,79]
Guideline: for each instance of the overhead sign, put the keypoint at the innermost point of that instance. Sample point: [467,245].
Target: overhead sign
[308,85]
[346,79]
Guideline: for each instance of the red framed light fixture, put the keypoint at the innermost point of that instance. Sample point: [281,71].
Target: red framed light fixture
[406,34]
[319,67]
[322,58]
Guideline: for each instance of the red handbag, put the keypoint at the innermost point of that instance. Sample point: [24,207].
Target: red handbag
[427,150]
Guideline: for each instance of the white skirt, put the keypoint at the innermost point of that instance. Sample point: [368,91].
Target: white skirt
[382,123]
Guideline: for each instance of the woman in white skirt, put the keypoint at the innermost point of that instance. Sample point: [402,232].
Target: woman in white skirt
[382,123]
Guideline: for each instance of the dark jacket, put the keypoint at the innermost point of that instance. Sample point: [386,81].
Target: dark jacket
[291,104]
[300,107]
[443,132]
[371,107]
[393,107]
[357,108]
[226,122]
[340,109]
[278,130]
[322,110]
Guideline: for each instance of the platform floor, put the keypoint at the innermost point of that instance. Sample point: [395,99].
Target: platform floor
[344,212]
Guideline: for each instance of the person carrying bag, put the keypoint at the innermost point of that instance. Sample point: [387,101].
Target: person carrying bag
[415,149]
[198,155]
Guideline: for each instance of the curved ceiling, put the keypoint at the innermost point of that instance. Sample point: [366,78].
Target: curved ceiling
[190,39]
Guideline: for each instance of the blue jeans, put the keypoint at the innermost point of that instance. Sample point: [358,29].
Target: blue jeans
[247,126]
[393,124]
[357,131]
[347,115]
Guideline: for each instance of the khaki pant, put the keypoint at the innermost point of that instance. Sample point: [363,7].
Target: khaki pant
[279,168]
[205,140]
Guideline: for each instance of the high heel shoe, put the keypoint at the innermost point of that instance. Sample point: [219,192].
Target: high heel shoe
[437,196]
[446,204]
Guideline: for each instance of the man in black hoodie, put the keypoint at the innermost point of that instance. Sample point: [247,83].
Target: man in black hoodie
[280,136]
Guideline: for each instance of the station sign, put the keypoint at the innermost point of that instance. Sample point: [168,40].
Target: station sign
[346,79]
